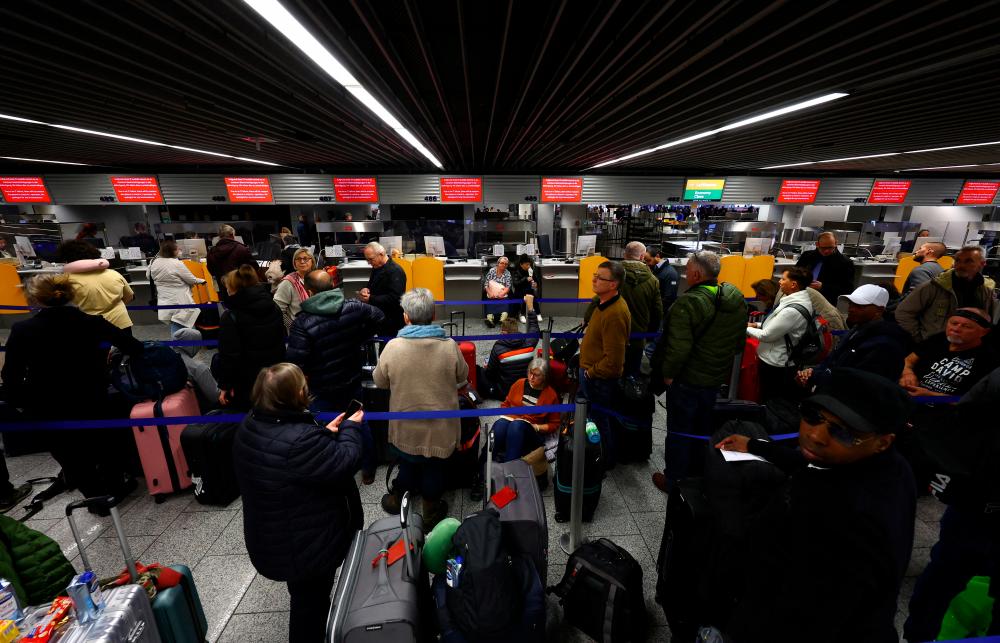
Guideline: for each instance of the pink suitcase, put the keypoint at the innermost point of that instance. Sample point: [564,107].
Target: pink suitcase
[163,463]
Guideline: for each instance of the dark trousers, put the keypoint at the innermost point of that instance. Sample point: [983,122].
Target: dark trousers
[776,382]
[419,474]
[969,545]
[515,438]
[310,606]
[689,410]
[6,488]
[601,392]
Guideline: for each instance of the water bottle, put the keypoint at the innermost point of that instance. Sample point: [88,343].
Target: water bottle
[453,571]
[593,434]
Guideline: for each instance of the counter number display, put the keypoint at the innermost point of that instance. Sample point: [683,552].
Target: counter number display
[136,189]
[798,191]
[562,190]
[24,189]
[249,189]
[978,193]
[355,189]
[889,191]
[704,189]
[461,189]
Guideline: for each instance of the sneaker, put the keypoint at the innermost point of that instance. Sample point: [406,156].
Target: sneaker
[433,513]
[489,322]
[539,317]
[524,320]
[391,504]
[14,498]
[503,317]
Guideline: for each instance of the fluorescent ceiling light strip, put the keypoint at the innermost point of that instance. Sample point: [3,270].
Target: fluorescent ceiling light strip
[18,158]
[826,98]
[280,18]
[131,139]
[941,167]
[952,147]
[846,158]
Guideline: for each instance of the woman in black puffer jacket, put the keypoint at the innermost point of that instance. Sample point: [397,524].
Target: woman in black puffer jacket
[251,337]
[301,506]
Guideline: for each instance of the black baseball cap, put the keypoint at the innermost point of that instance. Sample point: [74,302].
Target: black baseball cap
[864,401]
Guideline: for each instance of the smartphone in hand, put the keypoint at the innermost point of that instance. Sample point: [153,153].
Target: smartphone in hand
[353,408]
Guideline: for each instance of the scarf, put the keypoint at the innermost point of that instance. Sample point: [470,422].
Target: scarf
[421,331]
[300,288]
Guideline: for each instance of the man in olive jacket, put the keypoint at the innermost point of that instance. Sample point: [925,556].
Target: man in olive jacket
[704,331]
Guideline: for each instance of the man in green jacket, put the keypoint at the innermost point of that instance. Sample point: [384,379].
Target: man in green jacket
[641,292]
[704,331]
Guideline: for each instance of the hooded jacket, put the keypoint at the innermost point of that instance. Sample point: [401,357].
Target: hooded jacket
[301,506]
[701,342]
[878,347]
[325,340]
[925,311]
[32,562]
[251,337]
[509,359]
[226,255]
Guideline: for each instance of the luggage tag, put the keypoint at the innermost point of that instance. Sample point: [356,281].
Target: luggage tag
[503,497]
[393,554]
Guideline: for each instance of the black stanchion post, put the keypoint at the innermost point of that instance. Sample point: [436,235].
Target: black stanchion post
[572,539]
[547,340]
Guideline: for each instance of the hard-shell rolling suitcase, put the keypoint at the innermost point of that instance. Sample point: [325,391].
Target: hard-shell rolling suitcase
[208,449]
[163,463]
[593,476]
[525,527]
[375,601]
[469,353]
[127,615]
[376,400]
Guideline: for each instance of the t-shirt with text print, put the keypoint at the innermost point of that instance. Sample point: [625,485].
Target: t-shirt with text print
[952,373]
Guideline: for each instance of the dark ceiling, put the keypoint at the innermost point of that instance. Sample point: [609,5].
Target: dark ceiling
[520,87]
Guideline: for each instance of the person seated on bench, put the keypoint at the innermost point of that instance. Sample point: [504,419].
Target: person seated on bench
[950,363]
[842,544]
[519,434]
[508,356]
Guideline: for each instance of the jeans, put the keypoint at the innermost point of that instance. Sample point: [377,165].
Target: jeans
[419,474]
[515,438]
[336,406]
[969,545]
[601,392]
[174,327]
[689,410]
[310,606]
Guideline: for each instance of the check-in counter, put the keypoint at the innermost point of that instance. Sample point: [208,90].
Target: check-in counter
[874,272]
[560,280]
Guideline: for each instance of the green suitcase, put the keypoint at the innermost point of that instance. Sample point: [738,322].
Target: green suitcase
[178,611]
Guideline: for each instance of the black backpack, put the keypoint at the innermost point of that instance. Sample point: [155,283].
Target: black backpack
[488,600]
[815,342]
[601,593]
[153,375]
[153,296]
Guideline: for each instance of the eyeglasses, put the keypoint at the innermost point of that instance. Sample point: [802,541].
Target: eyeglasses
[600,278]
[813,416]
[303,258]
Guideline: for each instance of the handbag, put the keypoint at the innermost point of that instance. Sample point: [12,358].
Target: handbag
[495,289]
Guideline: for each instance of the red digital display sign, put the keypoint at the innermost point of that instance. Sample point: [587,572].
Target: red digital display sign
[24,189]
[136,189]
[360,189]
[798,191]
[978,192]
[461,189]
[889,191]
[562,190]
[249,189]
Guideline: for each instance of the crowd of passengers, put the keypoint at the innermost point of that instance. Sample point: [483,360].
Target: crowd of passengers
[292,346]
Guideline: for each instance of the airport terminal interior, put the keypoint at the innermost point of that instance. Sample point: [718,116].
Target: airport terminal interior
[762,219]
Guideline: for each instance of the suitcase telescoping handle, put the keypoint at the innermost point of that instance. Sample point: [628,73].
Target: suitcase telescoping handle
[488,477]
[116,521]
[404,522]
[455,313]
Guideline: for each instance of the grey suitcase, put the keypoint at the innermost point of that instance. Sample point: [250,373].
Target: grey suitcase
[525,527]
[128,613]
[379,602]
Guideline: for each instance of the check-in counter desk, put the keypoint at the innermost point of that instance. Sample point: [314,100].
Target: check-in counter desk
[138,282]
[874,272]
[561,280]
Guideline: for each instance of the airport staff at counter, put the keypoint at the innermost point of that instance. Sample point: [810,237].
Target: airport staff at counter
[386,286]
[832,272]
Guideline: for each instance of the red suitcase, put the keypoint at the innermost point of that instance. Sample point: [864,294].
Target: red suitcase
[749,385]
[469,353]
[163,463]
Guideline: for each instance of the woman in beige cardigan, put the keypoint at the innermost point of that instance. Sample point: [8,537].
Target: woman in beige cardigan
[423,369]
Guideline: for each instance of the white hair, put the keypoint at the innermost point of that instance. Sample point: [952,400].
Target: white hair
[377,247]
[418,304]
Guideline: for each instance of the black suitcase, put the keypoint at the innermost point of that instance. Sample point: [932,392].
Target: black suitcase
[208,449]
[462,466]
[601,593]
[634,432]
[375,601]
[376,400]
[593,477]
[681,588]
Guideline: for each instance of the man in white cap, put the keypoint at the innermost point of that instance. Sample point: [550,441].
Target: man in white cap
[872,344]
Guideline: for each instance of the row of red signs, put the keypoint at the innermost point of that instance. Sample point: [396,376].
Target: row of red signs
[257,189]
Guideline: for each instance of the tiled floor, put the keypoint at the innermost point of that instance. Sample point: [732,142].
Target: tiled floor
[243,606]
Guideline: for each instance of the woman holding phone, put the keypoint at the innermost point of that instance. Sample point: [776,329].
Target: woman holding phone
[301,505]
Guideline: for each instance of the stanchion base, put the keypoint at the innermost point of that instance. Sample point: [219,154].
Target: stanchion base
[564,542]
